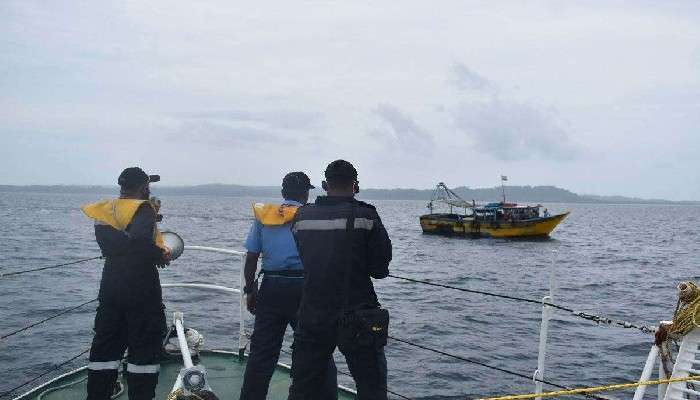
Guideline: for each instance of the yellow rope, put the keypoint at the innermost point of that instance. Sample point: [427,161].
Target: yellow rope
[618,386]
[685,317]
[174,395]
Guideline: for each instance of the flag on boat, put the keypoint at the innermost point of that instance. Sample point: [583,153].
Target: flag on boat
[504,178]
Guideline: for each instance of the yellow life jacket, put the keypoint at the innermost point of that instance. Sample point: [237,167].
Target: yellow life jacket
[118,214]
[274,214]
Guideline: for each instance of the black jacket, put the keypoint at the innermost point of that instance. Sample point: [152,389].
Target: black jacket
[130,275]
[322,239]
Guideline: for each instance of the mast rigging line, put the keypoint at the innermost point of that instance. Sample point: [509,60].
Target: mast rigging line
[43,374]
[62,312]
[590,317]
[471,361]
[6,274]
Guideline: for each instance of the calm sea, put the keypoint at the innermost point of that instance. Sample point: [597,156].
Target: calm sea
[622,261]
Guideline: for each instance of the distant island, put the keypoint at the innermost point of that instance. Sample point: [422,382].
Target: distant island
[524,194]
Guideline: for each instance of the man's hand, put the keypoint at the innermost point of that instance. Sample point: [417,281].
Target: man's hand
[165,258]
[250,301]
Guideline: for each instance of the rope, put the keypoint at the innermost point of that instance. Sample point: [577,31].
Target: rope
[55,368]
[4,275]
[62,312]
[685,317]
[471,361]
[580,314]
[618,386]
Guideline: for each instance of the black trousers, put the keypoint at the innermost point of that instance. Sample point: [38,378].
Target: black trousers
[276,308]
[314,343]
[119,327]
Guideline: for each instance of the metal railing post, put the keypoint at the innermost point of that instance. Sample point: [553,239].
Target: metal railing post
[646,372]
[544,330]
[242,340]
[662,375]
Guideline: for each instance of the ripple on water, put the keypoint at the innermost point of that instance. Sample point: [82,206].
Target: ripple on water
[621,270]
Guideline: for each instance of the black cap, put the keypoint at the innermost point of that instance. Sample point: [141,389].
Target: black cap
[296,182]
[341,170]
[133,177]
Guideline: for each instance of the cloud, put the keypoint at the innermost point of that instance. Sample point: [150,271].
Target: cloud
[401,131]
[504,128]
[273,119]
[466,79]
[219,135]
[511,131]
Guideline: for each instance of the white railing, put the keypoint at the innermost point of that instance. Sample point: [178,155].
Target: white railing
[679,368]
[538,377]
[242,338]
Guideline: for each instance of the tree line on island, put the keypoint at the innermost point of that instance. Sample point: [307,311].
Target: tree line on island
[522,194]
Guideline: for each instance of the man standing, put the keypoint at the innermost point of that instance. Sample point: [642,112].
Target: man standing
[130,312]
[276,303]
[342,244]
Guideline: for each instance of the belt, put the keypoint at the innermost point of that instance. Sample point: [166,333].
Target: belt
[286,273]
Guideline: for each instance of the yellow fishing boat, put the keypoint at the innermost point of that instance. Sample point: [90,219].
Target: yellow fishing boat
[497,220]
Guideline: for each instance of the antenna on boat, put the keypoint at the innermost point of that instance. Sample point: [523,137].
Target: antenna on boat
[504,178]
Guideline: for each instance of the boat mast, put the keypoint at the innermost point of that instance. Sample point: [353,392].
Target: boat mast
[503,188]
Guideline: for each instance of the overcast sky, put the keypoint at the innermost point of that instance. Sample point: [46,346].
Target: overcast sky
[597,97]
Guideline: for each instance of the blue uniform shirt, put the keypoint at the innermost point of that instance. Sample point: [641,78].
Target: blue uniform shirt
[276,243]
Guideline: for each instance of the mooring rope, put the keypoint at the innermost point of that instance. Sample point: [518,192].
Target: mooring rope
[588,390]
[62,312]
[6,274]
[36,378]
[685,316]
[580,314]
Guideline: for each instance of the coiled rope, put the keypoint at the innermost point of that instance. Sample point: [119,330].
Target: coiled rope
[62,312]
[685,316]
[6,274]
[588,390]
[36,378]
[580,314]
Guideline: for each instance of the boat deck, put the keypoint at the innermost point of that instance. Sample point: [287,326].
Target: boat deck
[224,374]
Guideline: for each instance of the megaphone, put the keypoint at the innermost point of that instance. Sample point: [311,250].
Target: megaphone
[175,243]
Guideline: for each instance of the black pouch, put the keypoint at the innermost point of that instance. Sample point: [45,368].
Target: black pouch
[375,322]
[365,328]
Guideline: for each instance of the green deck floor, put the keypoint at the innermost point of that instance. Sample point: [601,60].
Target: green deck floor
[224,373]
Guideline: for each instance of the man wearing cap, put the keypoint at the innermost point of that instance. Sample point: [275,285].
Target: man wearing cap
[276,302]
[130,313]
[342,244]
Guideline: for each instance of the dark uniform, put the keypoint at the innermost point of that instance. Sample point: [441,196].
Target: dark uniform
[321,236]
[130,312]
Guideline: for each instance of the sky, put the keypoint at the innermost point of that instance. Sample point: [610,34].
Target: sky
[599,97]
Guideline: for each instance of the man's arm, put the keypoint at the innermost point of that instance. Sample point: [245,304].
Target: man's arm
[140,234]
[251,265]
[253,244]
[378,250]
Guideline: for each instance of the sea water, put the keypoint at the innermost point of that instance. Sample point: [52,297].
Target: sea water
[621,261]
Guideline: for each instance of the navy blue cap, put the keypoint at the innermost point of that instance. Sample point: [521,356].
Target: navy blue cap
[296,182]
[134,177]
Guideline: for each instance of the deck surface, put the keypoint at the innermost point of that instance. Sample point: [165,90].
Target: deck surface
[224,373]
